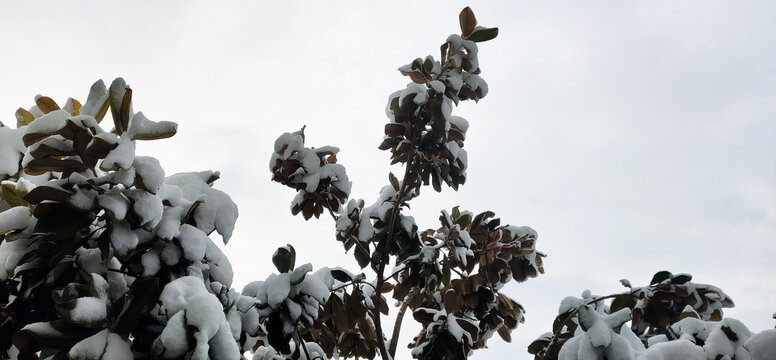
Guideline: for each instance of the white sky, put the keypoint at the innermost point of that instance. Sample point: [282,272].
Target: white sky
[634,137]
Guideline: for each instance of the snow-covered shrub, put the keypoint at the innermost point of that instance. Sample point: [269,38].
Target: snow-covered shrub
[448,278]
[102,254]
[672,318]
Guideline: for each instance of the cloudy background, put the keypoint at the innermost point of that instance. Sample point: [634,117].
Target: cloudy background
[634,137]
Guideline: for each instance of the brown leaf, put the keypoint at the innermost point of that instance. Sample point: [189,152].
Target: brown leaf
[451,301]
[23,117]
[126,105]
[504,333]
[387,287]
[467,21]
[46,104]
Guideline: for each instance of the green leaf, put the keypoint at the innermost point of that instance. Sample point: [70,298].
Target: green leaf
[464,220]
[435,183]
[681,278]
[60,221]
[493,224]
[394,181]
[138,301]
[284,258]
[660,276]
[341,275]
[483,34]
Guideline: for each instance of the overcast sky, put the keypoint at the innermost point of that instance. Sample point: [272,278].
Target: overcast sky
[633,136]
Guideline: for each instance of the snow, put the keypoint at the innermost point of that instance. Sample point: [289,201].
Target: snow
[11,150]
[417,91]
[169,226]
[47,124]
[141,127]
[294,309]
[679,349]
[176,293]
[298,274]
[122,238]
[217,211]
[115,203]
[121,157]
[89,310]
[98,95]
[388,111]
[124,177]
[101,287]
[89,260]
[171,254]
[83,200]
[117,281]
[438,86]
[150,171]
[203,314]
[278,288]
[172,343]
[151,262]
[117,348]
[193,241]
[460,123]
[90,348]
[762,346]
[220,267]
[147,206]
[315,351]
[316,288]
[43,329]
[15,218]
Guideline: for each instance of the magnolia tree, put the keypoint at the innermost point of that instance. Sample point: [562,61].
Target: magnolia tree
[672,318]
[105,256]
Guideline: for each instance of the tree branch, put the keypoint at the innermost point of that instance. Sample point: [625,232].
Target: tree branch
[397,324]
[389,240]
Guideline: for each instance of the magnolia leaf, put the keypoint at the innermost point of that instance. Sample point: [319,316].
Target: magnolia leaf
[41,166]
[341,275]
[284,258]
[139,300]
[464,220]
[46,104]
[116,93]
[23,117]
[298,275]
[659,277]
[681,278]
[394,181]
[12,196]
[126,107]
[435,182]
[144,129]
[467,21]
[97,103]
[49,192]
[482,34]
[452,301]
[504,333]
[72,106]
